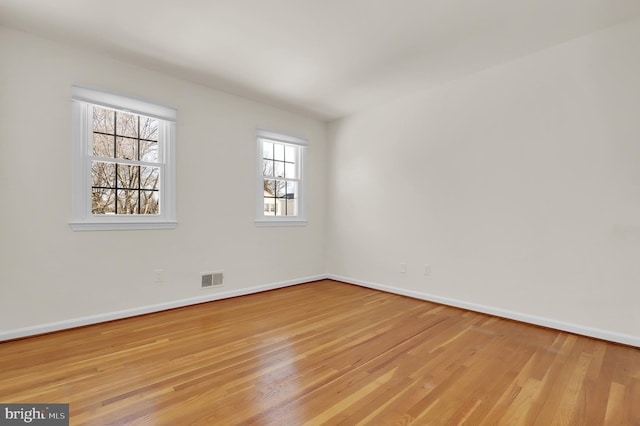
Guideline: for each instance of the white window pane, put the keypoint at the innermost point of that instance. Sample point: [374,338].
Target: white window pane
[126,148]
[103,201]
[149,177]
[290,171]
[290,153]
[291,199]
[267,150]
[103,120]
[269,187]
[127,201]
[149,151]
[267,167]
[103,174]
[150,202]
[278,151]
[102,145]
[292,207]
[126,124]
[291,189]
[269,206]
[127,176]
[149,128]
[281,188]
[278,170]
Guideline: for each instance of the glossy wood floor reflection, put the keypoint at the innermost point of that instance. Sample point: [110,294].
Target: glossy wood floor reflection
[324,353]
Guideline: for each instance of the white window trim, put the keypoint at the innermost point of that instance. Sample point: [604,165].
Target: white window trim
[82,218]
[301,144]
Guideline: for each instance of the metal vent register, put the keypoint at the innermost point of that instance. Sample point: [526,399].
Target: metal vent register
[212,279]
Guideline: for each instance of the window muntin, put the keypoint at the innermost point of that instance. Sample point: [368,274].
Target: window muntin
[280,179]
[124,162]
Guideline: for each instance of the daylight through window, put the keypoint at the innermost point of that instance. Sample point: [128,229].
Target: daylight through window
[124,162]
[125,177]
[280,178]
[280,159]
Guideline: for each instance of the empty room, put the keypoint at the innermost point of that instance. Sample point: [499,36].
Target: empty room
[343,212]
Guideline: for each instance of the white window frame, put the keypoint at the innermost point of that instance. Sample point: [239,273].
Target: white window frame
[300,144]
[83,219]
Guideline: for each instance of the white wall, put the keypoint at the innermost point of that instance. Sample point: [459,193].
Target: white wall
[519,185]
[49,273]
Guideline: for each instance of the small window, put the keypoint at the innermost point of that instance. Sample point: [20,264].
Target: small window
[124,171]
[280,179]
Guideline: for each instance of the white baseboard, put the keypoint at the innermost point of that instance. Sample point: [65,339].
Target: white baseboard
[110,316]
[625,339]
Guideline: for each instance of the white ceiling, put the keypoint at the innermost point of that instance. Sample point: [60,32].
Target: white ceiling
[328,58]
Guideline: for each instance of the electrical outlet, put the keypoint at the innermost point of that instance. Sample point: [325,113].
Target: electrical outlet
[427,269]
[403,268]
[159,276]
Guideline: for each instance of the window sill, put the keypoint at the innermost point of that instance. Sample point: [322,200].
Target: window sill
[120,226]
[284,222]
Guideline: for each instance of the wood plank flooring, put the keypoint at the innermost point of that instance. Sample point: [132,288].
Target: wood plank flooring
[324,353]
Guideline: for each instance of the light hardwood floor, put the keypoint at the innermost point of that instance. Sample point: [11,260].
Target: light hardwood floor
[324,353]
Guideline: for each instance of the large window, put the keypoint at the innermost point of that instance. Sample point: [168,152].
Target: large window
[125,177]
[124,174]
[280,179]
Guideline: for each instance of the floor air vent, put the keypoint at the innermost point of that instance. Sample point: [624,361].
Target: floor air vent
[212,279]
